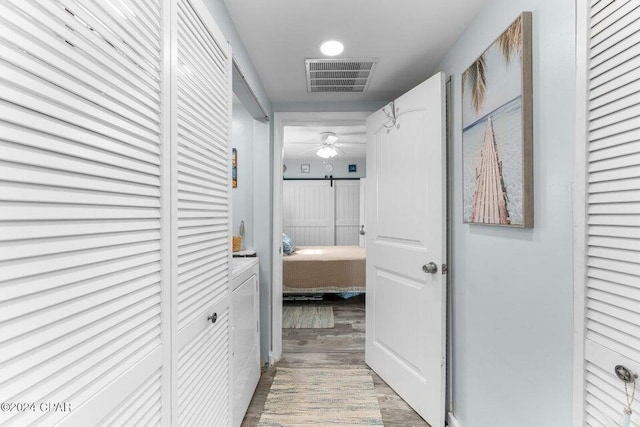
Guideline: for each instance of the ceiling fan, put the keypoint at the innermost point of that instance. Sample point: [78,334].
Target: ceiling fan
[329,146]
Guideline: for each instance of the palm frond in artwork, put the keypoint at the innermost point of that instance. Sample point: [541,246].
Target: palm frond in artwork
[510,42]
[475,78]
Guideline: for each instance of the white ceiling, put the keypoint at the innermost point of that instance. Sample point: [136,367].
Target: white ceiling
[409,38]
[301,142]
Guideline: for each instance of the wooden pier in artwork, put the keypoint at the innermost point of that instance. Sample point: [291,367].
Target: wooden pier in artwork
[489,205]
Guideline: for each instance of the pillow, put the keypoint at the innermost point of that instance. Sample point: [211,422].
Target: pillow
[288,247]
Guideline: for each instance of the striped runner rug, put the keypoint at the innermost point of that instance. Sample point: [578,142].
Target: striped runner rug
[321,397]
[307,316]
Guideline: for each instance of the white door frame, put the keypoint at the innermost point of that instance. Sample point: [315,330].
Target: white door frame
[580,214]
[363,208]
[280,120]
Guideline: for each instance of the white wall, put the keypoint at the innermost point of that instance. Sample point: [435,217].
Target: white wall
[512,289]
[242,196]
[317,168]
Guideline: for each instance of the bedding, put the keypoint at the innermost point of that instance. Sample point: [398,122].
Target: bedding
[324,269]
[288,246]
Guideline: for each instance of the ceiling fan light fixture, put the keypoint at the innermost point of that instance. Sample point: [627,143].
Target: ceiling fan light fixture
[331,48]
[332,138]
[326,152]
[328,138]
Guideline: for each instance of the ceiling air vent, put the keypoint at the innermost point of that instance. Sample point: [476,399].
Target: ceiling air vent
[339,75]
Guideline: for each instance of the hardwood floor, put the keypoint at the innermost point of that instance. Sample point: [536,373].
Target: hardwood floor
[342,345]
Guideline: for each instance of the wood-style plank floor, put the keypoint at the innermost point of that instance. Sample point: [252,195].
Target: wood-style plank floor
[342,346]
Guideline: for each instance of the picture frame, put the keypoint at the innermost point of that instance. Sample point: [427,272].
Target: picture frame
[497,131]
[234,168]
[305,168]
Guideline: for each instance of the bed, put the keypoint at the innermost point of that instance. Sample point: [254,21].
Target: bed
[328,269]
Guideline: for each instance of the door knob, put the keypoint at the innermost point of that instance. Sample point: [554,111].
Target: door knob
[625,374]
[432,268]
[213,318]
[362,232]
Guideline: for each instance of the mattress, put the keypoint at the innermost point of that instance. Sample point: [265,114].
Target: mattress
[324,269]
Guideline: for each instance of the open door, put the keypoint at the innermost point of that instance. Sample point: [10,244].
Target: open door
[405,240]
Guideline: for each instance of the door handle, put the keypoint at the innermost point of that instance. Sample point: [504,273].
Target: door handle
[213,318]
[362,232]
[431,267]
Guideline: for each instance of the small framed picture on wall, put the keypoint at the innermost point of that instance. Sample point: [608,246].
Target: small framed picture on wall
[305,168]
[353,168]
[234,168]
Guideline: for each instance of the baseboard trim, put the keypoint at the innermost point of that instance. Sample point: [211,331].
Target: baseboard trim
[452,421]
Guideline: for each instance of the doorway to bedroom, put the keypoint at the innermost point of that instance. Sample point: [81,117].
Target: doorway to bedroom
[323,260]
[319,310]
[404,306]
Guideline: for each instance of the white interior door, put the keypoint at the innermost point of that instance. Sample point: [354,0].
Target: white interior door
[406,205]
[201,220]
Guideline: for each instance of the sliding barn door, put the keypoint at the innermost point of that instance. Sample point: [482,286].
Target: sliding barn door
[83,287]
[347,195]
[308,210]
[201,239]
[612,296]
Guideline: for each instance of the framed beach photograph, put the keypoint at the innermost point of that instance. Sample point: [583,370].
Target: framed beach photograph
[497,131]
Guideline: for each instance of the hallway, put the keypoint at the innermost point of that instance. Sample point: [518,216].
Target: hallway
[340,347]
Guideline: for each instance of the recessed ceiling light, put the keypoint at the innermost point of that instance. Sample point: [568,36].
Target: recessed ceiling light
[332,48]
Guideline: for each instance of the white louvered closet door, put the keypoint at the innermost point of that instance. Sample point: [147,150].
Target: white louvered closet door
[613,204]
[201,182]
[82,282]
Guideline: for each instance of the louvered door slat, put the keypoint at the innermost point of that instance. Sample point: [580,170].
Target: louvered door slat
[47,133]
[147,392]
[627,26]
[191,56]
[81,211]
[110,101]
[52,52]
[615,151]
[188,62]
[83,51]
[610,15]
[612,295]
[19,152]
[135,24]
[85,33]
[201,211]
[203,44]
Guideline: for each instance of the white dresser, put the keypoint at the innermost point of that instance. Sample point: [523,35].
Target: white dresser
[245,335]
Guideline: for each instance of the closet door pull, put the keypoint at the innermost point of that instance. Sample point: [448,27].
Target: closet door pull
[213,318]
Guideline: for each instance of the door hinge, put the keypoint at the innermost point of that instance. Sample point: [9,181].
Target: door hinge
[444,268]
